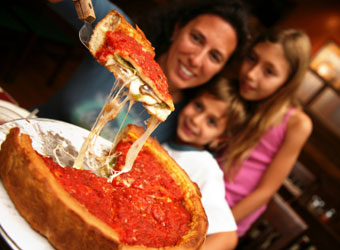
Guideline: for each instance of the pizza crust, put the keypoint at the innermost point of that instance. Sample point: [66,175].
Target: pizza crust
[65,222]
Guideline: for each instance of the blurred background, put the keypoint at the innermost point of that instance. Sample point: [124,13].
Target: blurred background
[40,51]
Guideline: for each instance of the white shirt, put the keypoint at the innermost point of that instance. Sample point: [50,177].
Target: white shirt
[203,169]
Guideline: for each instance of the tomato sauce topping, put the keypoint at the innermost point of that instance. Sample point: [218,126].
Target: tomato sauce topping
[128,46]
[145,206]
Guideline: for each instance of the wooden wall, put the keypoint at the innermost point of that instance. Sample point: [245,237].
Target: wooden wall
[320,19]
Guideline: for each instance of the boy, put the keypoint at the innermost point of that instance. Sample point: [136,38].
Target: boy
[204,124]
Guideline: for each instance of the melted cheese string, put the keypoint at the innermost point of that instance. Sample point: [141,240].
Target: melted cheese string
[138,144]
[109,112]
[136,147]
[115,139]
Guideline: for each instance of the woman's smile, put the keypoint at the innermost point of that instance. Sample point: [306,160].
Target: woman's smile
[184,72]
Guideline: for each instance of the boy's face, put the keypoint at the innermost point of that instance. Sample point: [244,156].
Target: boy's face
[202,121]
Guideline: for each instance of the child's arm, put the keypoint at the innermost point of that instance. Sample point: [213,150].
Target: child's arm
[299,128]
[221,241]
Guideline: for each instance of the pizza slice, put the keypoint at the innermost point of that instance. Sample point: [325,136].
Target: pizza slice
[154,206]
[127,53]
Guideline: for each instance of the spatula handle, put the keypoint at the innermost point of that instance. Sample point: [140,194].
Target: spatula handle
[85,10]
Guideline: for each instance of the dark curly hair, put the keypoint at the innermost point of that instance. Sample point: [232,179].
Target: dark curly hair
[159,25]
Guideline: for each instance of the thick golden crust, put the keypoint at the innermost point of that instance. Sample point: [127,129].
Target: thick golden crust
[44,203]
[67,224]
[115,22]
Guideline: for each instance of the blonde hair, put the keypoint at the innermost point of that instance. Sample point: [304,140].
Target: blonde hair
[296,46]
[224,89]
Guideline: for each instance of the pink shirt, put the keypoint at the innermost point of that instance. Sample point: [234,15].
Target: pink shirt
[253,169]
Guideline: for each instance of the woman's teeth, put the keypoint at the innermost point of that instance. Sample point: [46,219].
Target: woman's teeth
[185,70]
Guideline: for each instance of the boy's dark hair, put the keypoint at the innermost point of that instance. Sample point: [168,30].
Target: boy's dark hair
[159,26]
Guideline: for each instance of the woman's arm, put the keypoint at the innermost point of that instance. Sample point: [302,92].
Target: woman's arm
[298,130]
[221,241]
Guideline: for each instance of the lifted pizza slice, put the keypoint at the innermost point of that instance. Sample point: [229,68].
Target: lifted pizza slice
[127,53]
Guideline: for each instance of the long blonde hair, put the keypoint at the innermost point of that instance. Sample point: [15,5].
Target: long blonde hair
[263,113]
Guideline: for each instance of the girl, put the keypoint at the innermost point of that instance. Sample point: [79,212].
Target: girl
[193,43]
[261,157]
[202,125]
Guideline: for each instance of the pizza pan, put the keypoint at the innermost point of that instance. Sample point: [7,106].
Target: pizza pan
[45,134]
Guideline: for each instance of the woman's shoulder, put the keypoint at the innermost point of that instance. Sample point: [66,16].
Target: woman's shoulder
[299,122]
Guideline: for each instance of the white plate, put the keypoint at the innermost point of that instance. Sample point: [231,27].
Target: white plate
[45,134]
[10,111]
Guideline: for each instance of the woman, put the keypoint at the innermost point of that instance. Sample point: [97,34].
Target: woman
[261,157]
[192,45]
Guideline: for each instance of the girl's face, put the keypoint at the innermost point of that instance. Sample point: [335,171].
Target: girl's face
[202,121]
[263,71]
[199,50]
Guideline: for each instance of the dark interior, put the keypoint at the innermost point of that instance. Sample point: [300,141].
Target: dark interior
[36,62]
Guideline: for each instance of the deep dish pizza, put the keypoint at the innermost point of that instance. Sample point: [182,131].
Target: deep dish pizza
[155,205]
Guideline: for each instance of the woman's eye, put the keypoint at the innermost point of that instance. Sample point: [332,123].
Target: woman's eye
[195,38]
[215,57]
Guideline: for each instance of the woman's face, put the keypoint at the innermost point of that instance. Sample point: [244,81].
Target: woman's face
[263,71]
[199,50]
